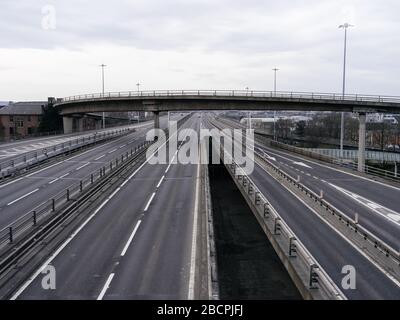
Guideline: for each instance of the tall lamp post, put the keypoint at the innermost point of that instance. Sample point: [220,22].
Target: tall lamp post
[249,113]
[102,81]
[275,70]
[343,26]
[138,90]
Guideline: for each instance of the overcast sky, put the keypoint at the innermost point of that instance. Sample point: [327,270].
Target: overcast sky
[54,47]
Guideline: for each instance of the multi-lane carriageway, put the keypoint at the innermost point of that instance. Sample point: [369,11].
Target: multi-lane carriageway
[139,241]
[375,202]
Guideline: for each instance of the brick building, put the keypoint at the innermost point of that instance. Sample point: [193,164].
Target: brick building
[21,118]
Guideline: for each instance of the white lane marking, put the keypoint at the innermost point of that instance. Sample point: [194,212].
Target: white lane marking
[159,183]
[57,252]
[128,243]
[98,158]
[11,182]
[106,286]
[150,200]
[166,170]
[53,165]
[113,150]
[24,196]
[194,238]
[56,179]
[360,251]
[302,164]
[64,175]
[387,213]
[86,164]
[124,145]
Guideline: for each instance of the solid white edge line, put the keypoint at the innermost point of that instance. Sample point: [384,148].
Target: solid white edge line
[150,200]
[11,182]
[56,253]
[106,286]
[24,196]
[128,243]
[194,239]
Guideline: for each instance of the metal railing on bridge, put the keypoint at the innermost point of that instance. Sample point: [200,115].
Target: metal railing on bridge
[234,93]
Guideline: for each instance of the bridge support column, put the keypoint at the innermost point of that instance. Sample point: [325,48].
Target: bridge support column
[361,141]
[67,124]
[156,119]
[79,124]
[98,124]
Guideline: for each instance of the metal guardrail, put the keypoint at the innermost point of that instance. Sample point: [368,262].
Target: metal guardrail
[383,254]
[234,93]
[32,219]
[307,268]
[25,160]
[340,162]
[319,156]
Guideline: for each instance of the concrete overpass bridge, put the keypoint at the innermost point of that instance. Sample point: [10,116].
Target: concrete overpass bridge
[194,100]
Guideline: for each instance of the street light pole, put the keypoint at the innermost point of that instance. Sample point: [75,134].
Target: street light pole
[138,114]
[343,26]
[275,70]
[249,113]
[102,80]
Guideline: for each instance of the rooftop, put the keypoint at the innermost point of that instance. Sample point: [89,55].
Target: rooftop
[23,108]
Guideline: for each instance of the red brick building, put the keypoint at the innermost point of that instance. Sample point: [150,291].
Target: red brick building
[20,119]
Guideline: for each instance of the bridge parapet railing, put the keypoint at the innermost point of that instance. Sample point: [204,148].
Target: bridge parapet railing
[233,93]
[20,162]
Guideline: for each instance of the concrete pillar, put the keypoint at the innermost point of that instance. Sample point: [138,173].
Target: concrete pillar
[361,141]
[79,124]
[156,120]
[67,124]
[98,124]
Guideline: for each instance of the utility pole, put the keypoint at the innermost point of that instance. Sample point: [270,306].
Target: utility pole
[138,90]
[249,113]
[102,80]
[343,26]
[275,70]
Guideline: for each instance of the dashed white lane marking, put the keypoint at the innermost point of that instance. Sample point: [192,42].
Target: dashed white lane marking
[22,197]
[86,164]
[64,175]
[161,180]
[56,179]
[106,286]
[128,243]
[149,202]
[113,150]
[98,158]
